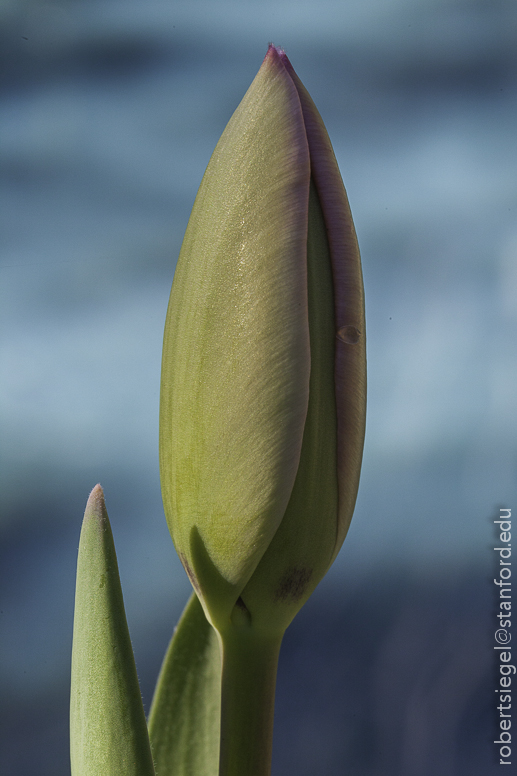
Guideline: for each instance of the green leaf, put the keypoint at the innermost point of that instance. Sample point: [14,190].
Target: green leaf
[108,732]
[184,721]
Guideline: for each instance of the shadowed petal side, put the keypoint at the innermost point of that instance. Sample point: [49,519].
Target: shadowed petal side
[350,361]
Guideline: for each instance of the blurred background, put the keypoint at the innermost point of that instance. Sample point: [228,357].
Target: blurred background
[110,112]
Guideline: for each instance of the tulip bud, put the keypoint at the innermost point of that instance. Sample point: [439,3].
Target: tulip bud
[264,368]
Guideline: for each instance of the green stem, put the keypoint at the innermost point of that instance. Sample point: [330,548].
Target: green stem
[250,662]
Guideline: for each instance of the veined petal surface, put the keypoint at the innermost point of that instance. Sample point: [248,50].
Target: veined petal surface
[236,363]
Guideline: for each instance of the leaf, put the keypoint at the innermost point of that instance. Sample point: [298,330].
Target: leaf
[184,721]
[108,732]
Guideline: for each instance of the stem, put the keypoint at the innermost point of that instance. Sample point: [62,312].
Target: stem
[250,662]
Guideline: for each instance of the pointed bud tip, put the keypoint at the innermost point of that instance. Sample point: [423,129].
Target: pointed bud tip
[95,506]
[278,53]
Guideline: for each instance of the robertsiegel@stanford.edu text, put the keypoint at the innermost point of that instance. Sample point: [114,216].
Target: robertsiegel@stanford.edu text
[503,636]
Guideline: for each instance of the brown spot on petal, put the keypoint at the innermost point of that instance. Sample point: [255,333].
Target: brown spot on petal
[293,585]
[349,334]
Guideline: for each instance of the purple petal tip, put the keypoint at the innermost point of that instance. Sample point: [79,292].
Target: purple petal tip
[278,53]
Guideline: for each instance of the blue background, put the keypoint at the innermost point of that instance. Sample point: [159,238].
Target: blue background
[110,111]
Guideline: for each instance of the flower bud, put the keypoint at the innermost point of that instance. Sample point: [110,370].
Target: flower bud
[264,367]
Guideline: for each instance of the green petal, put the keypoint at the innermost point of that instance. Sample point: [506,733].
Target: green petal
[108,732]
[184,722]
[301,550]
[236,359]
